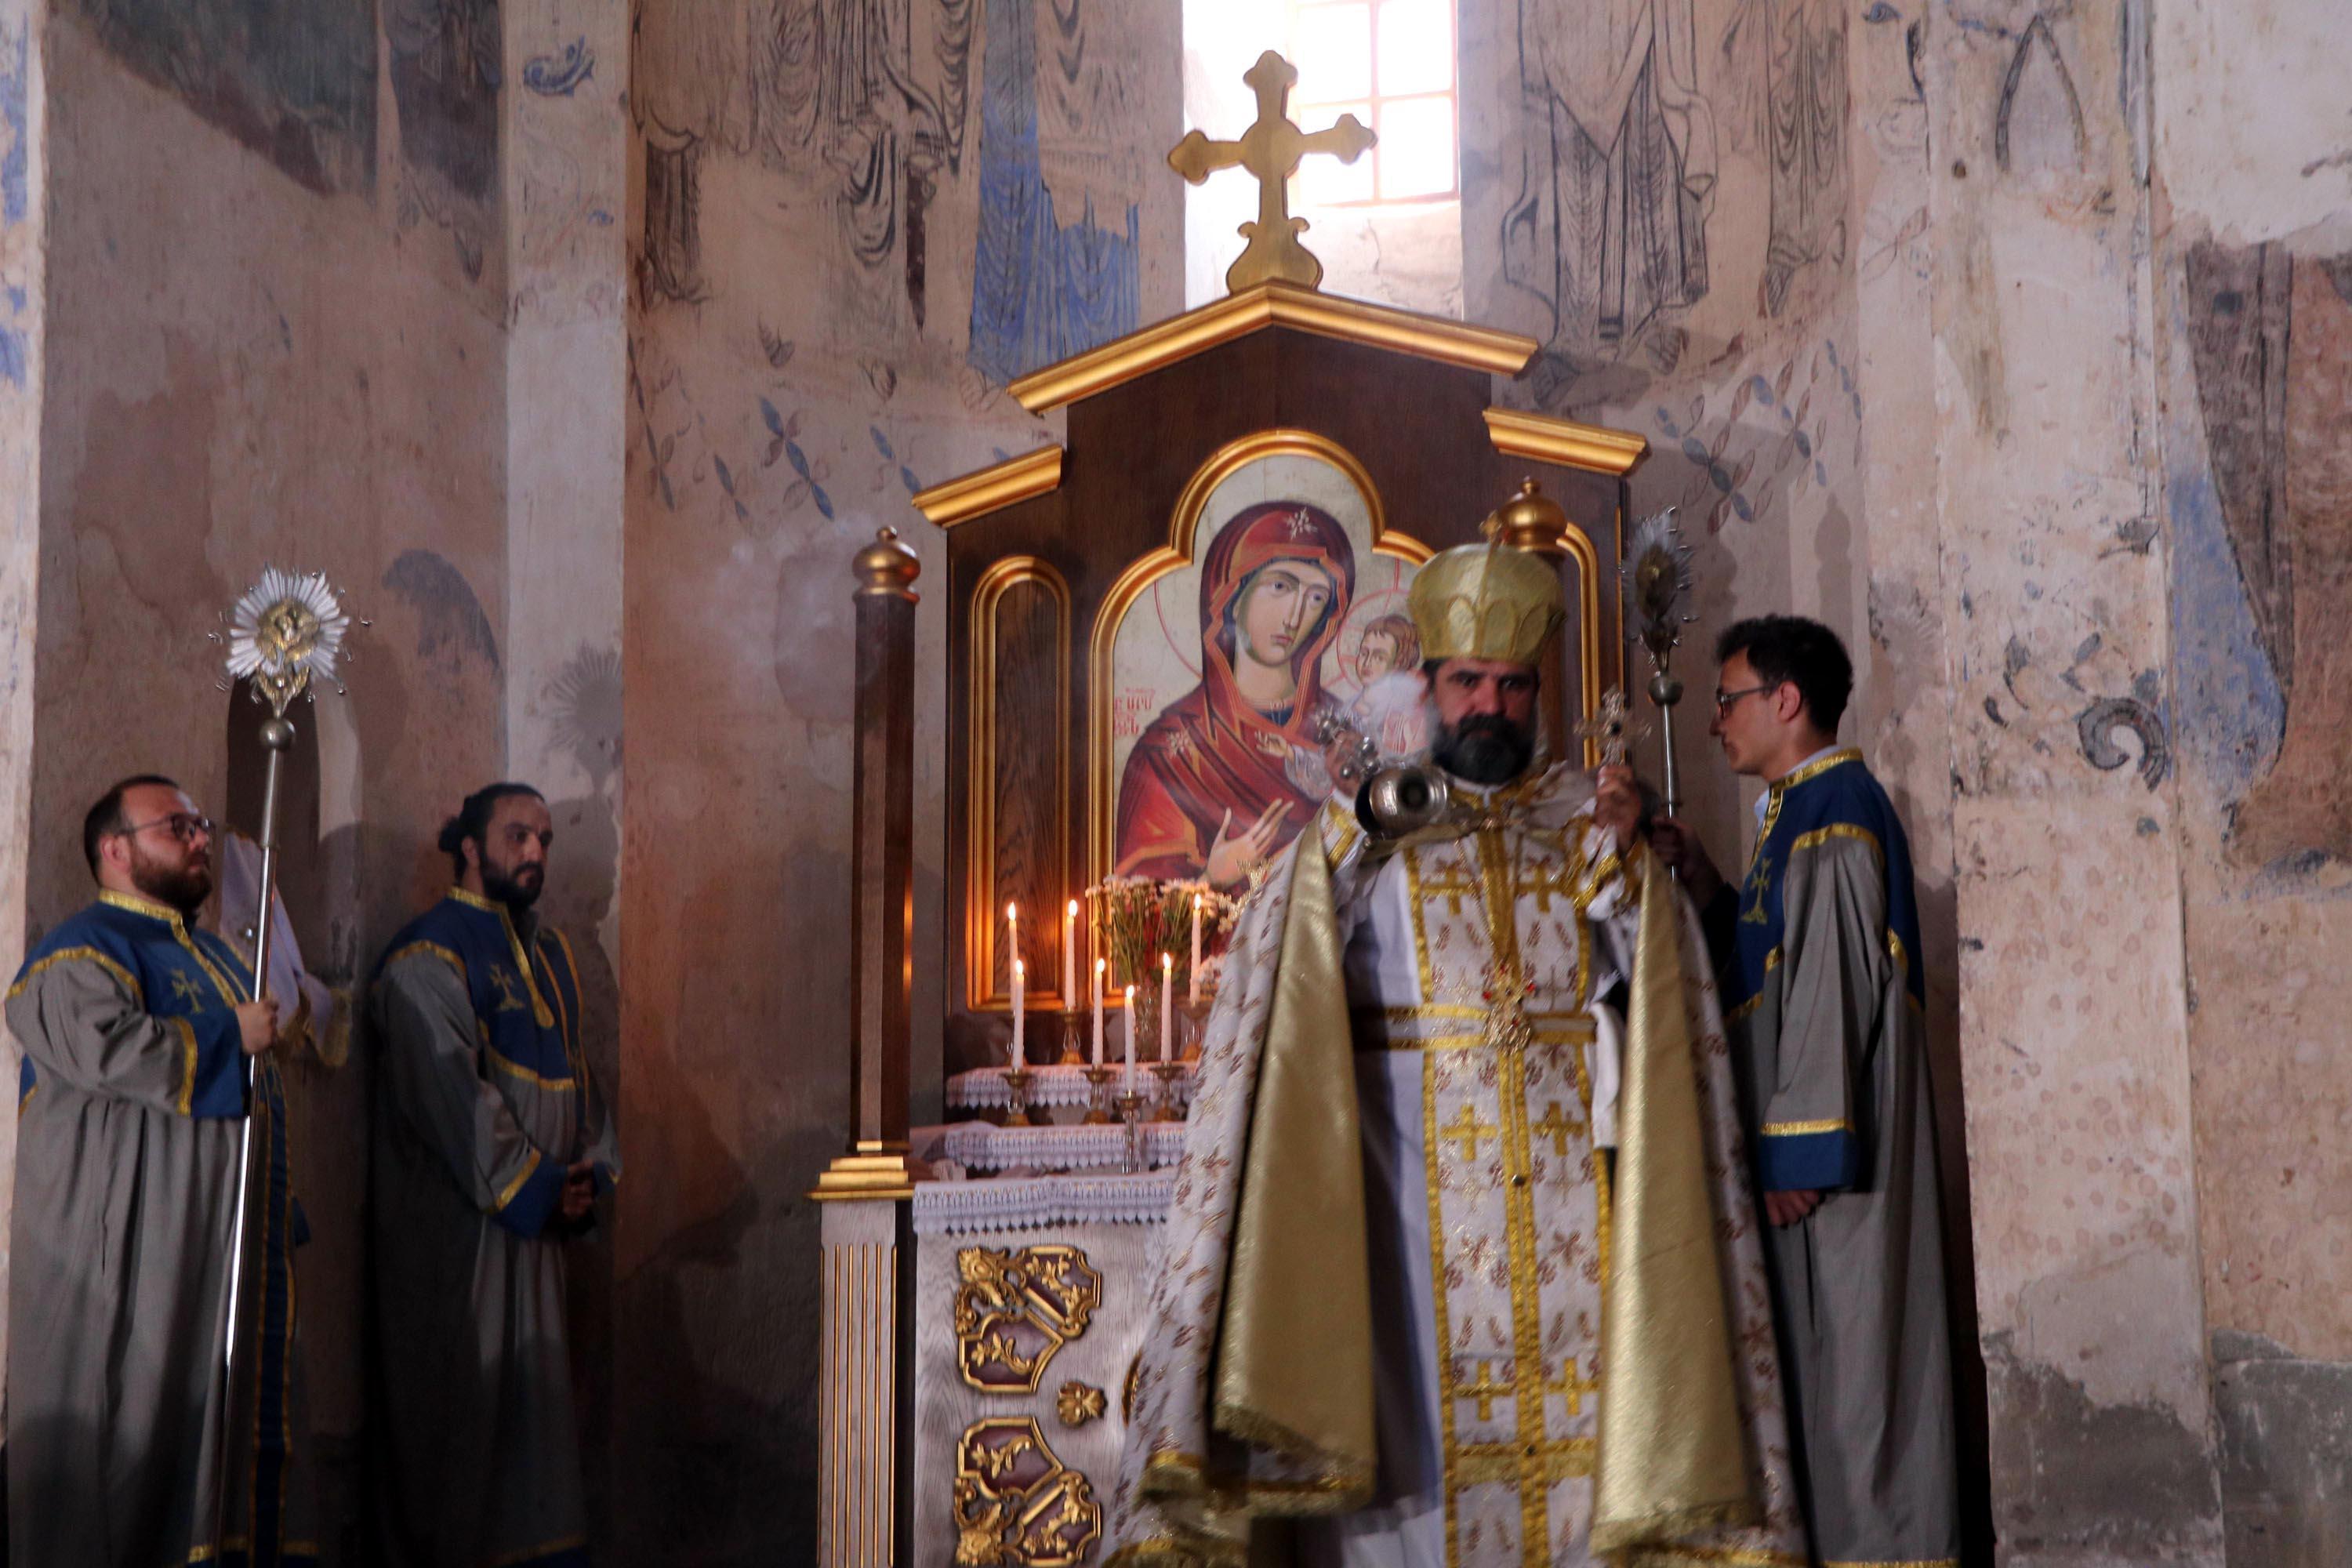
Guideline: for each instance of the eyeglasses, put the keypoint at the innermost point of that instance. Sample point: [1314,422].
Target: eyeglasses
[185,828]
[1725,701]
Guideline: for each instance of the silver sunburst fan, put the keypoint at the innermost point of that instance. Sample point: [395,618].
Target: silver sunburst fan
[284,632]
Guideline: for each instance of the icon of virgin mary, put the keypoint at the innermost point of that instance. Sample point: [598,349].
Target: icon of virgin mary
[1229,773]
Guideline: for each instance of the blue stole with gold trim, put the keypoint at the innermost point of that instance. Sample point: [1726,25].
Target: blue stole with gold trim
[189,977]
[526,1000]
[1836,797]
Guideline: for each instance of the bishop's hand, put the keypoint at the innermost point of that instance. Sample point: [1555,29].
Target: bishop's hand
[1617,803]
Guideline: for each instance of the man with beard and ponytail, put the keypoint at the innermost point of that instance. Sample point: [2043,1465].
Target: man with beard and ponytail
[142,1431]
[491,1148]
[1404,1298]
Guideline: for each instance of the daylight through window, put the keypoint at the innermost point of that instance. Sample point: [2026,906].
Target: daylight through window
[1390,64]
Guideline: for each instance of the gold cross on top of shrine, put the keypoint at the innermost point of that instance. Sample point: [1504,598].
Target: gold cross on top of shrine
[1270,149]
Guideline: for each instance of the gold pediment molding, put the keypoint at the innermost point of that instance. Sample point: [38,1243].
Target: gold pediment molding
[1594,448]
[1271,304]
[991,489]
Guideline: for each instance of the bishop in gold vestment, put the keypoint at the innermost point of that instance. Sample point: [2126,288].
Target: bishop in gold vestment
[1404,1293]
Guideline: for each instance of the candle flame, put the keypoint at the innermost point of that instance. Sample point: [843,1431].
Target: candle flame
[1130,996]
[1166,962]
[1019,967]
[1073,910]
[1101,964]
[1012,911]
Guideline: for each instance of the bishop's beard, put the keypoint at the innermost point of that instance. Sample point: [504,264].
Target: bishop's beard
[1485,749]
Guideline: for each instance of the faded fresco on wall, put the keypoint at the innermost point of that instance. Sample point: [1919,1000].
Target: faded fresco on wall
[448,68]
[1663,176]
[1048,281]
[1224,670]
[295,81]
[2270,336]
[1608,228]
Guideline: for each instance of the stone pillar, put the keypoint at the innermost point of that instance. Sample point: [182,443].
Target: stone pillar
[24,170]
[2073,1026]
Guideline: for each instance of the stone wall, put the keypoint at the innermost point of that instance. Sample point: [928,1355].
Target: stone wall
[853,223]
[2251,294]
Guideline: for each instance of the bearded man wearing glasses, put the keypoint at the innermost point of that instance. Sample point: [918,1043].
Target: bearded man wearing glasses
[1818,950]
[134,1436]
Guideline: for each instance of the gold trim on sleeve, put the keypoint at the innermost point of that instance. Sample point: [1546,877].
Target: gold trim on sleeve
[1271,304]
[1593,448]
[188,1065]
[991,489]
[529,1166]
[431,949]
[65,954]
[1836,830]
[1806,1129]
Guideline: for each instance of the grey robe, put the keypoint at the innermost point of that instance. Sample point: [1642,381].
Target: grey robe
[1820,947]
[483,1459]
[130,1443]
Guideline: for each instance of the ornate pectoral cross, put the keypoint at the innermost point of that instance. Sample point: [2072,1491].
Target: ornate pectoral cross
[1270,149]
[1508,1027]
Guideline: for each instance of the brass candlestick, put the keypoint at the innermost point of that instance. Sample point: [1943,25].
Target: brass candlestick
[1098,1097]
[1167,1105]
[1016,1089]
[1196,1025]
[1073,1020]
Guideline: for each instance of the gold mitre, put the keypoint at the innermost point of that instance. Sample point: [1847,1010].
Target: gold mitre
[1486,601]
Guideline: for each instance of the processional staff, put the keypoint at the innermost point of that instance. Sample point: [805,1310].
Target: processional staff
[1657,584]
[284,633]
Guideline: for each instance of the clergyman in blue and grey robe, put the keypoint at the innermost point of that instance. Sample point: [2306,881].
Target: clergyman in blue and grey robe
[1823,994]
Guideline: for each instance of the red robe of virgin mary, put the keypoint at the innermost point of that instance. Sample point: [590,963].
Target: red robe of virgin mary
[1210,752]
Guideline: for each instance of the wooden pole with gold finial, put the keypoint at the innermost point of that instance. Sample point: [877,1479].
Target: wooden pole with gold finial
[1270,149]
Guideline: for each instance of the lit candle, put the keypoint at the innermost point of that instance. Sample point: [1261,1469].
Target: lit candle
[1192,981]
[1019,975]
[1070,954]
[1131,1040]
[1099,966]
[1167,1007]
[1013,930]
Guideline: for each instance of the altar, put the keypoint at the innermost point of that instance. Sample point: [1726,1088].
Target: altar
[1152,626]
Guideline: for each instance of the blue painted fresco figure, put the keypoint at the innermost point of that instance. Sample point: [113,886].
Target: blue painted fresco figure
[491,1148]
[1818,949]
[133,1441]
